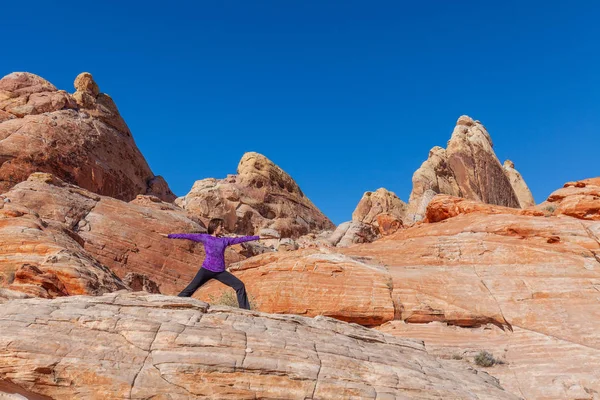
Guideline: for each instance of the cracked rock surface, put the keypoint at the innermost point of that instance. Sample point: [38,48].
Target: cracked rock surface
[140,346]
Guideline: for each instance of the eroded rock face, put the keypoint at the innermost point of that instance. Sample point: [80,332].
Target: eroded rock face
[353,232]
[314,282]
[467,168]
[518,184]
[579,199]
[260,196]
[140,283]
[443,207]
[524,369]
[380,202]
[124,237]
[534,279]
[168,347]
[41,258]
[80,138]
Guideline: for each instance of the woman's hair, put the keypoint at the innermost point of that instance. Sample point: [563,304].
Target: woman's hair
[214,224]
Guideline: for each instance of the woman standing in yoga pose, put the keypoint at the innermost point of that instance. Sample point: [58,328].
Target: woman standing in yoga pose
[213,266]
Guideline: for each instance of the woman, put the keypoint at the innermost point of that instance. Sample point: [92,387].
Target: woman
[213,266]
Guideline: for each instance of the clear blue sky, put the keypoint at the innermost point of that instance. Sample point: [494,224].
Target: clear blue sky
[346,96]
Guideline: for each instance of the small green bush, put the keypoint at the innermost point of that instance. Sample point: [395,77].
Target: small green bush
[457,356]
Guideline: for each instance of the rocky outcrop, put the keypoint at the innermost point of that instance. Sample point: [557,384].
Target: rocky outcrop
[42,258]
[521,357]
[124,237]
[518,184]
[379,203]
[80,138]
[314,282]
[141,283]
[261,195]
[353,232]
[168,347]
[433,177]
[467,168]
[443,207]
[520,286]
[579,199]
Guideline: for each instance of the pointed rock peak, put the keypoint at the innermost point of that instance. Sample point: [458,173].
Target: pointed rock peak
[380,202]
[258,171]
[437,151]
[25,83]
[509,164]
[465,120]
[85,83]
[471,130]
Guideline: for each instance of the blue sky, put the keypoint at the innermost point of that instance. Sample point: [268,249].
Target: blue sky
[346,96]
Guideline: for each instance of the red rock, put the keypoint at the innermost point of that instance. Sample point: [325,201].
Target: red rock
[388,224]
[312,282]
[140,282]
[42,259]
[580,199]
[443,207]
[536,279]
[260,196]
[124,237]
[378,203]
[88,145]
[468,168]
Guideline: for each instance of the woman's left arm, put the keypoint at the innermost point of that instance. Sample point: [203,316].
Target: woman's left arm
[232,241]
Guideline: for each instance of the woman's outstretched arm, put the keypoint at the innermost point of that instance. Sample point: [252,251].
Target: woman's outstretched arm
[242,239]
[196,237]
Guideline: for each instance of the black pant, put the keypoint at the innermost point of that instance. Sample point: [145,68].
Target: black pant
[224,277]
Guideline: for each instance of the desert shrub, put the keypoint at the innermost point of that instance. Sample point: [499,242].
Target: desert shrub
[485,359]
[229,298]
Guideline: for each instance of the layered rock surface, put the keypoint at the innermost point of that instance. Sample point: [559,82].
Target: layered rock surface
[260,196]
[579,199]
[314,282]
[533,280]
[80,138]
[531,365]
[43,259]
[167,347]
[467,168]
[124,237]
[380,205]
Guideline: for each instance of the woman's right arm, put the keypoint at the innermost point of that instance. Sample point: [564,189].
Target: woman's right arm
[196,237]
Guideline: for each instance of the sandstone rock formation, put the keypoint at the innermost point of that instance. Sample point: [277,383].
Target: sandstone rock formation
[467,168]
[314,282]
[530,281]
[442,207]
[134,346]
[80,138]
[141,283]
[379,203]
[352,232]
[524,368]
[41,258]
[518,184]
[260,196]
[122,236]
[580,199]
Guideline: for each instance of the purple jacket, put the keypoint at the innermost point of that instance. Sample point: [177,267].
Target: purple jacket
[214,247]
